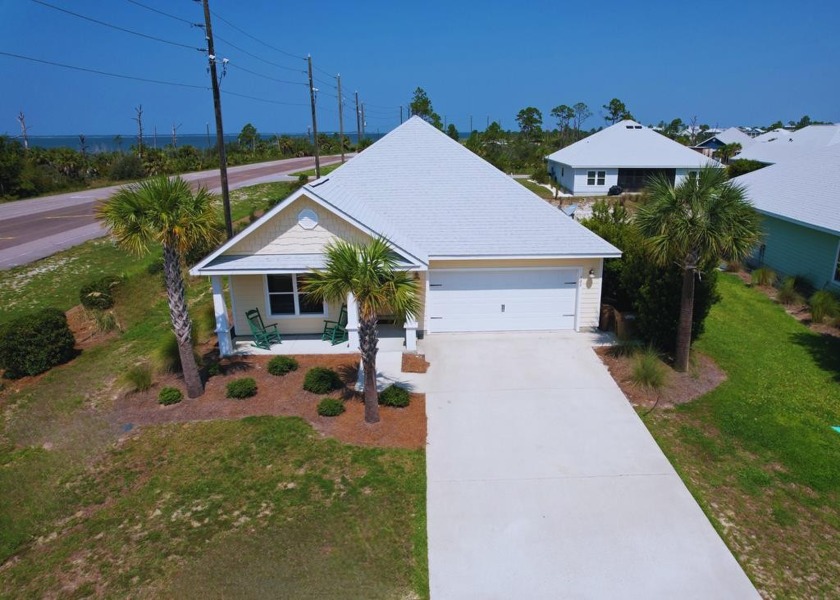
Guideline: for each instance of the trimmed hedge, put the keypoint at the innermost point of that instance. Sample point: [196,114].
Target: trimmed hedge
[330,407]
[99,294]
[395,396]
[35,343]
[244,387]
[280,365]
[320,380]
[170,395]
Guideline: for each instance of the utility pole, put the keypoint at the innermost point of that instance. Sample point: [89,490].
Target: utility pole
[401,114]
[358,124]
[175,129]
[471,129]
[364,124]
[314,119]
[139,119]
[24,133]
[154,139]
[217,107]
[340,118]
[207,125]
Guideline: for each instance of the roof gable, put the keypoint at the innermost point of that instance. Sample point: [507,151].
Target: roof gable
[628,144]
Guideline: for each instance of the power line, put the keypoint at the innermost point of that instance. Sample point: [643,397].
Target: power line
[98,72]
[117,27]
[267,101]
[166,14]
[252,55]
[266,44]
[230,64]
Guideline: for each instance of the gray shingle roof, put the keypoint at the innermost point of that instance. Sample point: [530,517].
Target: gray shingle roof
[435,198]
[805,189]
[628,144]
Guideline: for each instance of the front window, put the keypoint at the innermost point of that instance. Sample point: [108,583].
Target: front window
[596,177]
[286,299]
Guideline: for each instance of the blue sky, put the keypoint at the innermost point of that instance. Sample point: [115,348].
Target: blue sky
[733,62]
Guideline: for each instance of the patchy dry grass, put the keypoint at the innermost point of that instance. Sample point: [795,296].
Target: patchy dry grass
[758,452]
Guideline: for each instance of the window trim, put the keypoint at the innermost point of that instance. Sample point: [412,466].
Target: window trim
[598,178]
[296,298]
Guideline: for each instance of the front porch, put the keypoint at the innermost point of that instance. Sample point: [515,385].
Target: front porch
[391,339]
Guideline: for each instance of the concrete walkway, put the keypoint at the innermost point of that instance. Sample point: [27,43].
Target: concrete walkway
[544,483]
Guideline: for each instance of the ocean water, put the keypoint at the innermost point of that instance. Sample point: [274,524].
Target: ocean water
[109,143]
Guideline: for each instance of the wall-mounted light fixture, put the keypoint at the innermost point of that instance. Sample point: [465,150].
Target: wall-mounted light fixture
[592,272]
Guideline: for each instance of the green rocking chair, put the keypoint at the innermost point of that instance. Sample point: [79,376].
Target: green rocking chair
[336,331]
[263,336]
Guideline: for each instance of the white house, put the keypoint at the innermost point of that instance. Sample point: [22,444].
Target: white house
[488,254]
[781,145]
[625,154]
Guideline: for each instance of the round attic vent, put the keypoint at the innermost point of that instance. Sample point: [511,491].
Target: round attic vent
[308,218]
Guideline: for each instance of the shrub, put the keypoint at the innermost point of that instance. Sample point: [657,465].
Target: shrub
[540,176]
[764,276]
[214,368]
[170,395]
[126,166]
[395,396]
[330,407]
[624,348]
[99,294]
[34,343]
[823,305]
[139,377]
[648,370]
[244,387]
[320,380]
[155,267]
[280,365]
[106,321]
[788,294]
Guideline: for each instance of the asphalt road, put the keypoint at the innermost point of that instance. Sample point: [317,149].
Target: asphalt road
[36,228]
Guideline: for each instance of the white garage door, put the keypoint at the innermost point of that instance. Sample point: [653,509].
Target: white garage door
[502,300]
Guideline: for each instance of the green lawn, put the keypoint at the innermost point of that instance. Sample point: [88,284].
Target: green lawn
[537,189]
[257,507]
[759,452]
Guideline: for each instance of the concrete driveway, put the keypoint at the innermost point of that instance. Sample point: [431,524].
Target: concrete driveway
[544,483]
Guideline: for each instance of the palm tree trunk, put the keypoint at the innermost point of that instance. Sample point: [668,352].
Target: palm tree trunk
[686,317]
[181,324]
[367,345]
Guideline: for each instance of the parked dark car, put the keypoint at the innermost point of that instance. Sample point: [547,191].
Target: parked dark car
[615,191]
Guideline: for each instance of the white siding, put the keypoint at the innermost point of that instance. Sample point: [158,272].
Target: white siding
[582,188]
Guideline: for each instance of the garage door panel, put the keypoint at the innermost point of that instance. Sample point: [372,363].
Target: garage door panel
[535,299]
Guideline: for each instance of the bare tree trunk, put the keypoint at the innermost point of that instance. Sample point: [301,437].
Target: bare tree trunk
[367,345]
[181,324]
[686,316]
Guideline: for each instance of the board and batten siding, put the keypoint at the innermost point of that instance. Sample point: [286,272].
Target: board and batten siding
[282,234]
[792,249]
[589,301]
[249,291]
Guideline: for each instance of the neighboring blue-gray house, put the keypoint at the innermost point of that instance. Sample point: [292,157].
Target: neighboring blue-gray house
[800,202]
[733,135]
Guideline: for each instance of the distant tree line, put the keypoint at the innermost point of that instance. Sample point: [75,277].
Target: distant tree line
[25,173]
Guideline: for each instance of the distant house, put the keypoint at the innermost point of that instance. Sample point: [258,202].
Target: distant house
[626,154]
[781,145]
[487,254]
[733,135]
[799,199]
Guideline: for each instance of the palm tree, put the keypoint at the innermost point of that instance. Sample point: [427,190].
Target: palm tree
[167,212]
[696,224]
[370,273]
[727,151]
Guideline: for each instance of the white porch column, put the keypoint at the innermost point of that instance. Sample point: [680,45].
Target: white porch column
[411,334]
[222,325]
[352,322]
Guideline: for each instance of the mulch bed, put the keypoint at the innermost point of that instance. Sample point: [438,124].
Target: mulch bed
[414,363]
[680,388]
[281,396]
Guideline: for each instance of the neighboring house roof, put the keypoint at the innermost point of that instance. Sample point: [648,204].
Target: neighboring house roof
[733,135]
[628,144]
[781,145]
[433,198]
[803,190]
